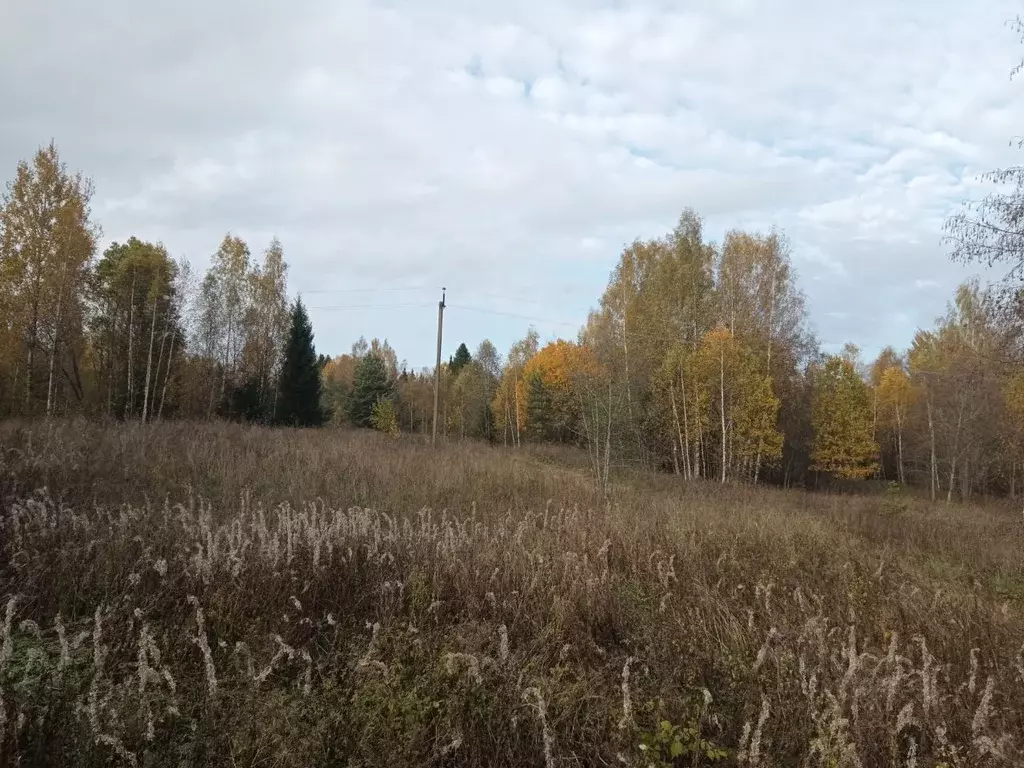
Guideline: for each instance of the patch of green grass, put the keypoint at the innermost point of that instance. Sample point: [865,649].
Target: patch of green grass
[1008,586]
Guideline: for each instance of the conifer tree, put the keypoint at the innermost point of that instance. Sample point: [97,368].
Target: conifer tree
[461,360]
[370,384]
[300,374]
[539,409]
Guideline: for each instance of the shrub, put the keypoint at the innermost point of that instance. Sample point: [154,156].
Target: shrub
[384,418]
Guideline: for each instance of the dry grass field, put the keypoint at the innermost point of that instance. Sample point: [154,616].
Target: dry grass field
[190,595]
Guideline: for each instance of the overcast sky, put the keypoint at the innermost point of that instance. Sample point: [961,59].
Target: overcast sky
[508,150]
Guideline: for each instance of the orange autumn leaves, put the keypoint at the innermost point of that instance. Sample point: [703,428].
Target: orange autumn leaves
[560,364]
[549,387]
[720,390]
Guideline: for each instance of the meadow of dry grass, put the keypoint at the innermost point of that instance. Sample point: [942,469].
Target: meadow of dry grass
[227,595]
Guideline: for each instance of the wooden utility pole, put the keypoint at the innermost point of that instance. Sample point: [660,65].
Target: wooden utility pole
[437,368]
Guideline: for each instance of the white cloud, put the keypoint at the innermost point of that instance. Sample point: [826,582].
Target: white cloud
[514,148]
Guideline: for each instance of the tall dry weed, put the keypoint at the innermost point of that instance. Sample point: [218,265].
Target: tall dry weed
[223,595]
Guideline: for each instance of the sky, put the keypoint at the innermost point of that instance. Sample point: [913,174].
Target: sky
[509,151]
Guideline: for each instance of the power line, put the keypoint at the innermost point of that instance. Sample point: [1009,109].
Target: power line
[342,307]
[524,288]
[512,314]
[528,300]
[370,289]
[633,335]
[581,325]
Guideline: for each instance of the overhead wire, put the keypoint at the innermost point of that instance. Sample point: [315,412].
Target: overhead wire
[451,288]
[483,310]
[339,307]
[633,334]
[512,314]
[367,289]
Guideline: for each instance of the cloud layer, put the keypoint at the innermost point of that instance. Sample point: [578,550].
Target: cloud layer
[509,150]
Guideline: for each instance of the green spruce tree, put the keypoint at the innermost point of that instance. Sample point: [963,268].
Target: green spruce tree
[539,410]
[299,404]
[370,384]
[461,360]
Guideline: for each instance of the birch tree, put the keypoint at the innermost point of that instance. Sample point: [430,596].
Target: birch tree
[894,396]
[509,405]
[230,268]
[47,242]
[266,327]
[135,312]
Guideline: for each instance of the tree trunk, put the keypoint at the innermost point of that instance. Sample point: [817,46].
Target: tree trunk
[771,329]
[156,371]
[109,358]
[899,447]
[679,433]
[952,479]
[110,385]
[931,433]
[52,366]
[519,426]
[56,333]
[213,389]
[28,377]
[701,459]
[956,453]
[686,428]
[721,389]
[167,377]
[874,414]
[149,360]
[608,439]
[30,368]
[74,379]
[228,355]
[641,451]
[129,400]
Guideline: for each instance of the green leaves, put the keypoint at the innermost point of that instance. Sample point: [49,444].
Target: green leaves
[370,384]
[300,374]
[384,418]
[461,360]
[134,291]
[671,745]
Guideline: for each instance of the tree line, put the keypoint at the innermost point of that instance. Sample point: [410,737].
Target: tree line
[698,358]
[134,334]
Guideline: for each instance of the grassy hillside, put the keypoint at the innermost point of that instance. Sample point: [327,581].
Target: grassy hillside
[223,595]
